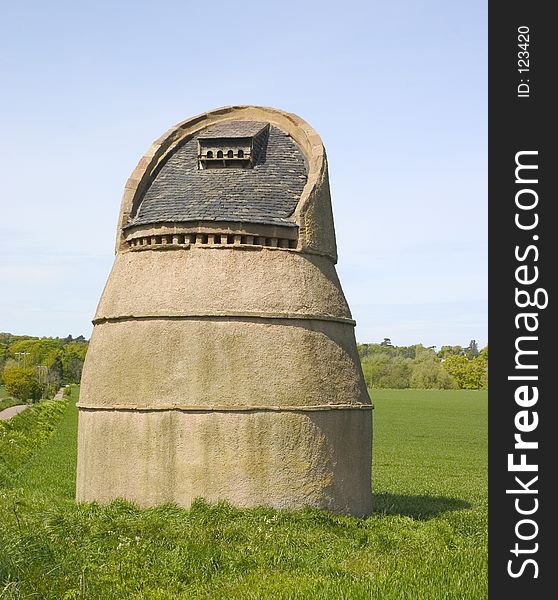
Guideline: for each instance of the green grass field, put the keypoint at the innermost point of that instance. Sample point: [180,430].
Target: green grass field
[427,539]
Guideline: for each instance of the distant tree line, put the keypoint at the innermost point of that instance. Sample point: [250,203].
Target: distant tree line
[452,367]
[32,368]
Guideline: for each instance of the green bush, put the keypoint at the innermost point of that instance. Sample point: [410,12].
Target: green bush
[385,371]
[22,384]
[430,375]
[470,374]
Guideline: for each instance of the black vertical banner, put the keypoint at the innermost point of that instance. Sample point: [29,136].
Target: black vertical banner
[523,418]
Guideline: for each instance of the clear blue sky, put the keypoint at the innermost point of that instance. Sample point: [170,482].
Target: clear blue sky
[397,90]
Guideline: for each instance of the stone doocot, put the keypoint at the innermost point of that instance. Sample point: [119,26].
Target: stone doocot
[223,362]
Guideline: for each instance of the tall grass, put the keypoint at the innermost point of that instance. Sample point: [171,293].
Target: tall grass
[7,402]
[426,540]
[23,434]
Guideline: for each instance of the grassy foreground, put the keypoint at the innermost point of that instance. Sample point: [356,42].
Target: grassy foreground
[426,541]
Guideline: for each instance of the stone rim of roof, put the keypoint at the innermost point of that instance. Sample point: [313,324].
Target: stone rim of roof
[302,133]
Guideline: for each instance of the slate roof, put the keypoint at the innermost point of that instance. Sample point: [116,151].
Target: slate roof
[267,193]
[230,129]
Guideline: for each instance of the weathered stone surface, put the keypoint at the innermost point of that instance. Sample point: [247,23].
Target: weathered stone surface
[227,372]
[287,460]
[223,361]
[211,279]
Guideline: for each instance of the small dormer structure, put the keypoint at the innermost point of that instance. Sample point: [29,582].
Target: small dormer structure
[236,144]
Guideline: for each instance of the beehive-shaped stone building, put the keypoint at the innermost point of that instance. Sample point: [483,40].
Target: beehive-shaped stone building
[223,361]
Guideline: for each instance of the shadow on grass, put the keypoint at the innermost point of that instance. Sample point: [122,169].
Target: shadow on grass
[416,507]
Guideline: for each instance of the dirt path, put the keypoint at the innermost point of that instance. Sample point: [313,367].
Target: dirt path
[12,411]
